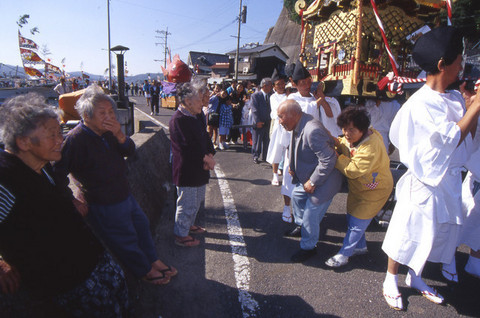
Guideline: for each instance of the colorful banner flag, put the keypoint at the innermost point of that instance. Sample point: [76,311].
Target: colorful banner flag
[29,56]
[84,76]
[49,68]
[26,43]
[32,71]
[52,77]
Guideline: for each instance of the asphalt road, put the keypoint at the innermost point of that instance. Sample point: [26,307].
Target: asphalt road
[243,214]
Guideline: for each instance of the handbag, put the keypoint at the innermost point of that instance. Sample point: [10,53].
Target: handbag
[213,119]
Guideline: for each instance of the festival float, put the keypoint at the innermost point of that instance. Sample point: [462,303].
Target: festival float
[176,72]
[357,43]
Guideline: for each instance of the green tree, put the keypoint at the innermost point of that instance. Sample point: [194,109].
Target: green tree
[290,6]
[465,16]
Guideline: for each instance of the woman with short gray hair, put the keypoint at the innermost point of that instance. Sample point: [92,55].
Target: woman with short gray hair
[94,153]
[192,158]
[42,237]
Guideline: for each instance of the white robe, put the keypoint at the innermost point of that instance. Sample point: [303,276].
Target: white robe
[331,122]
[308,104]
[279,135]
[470,232]
[381,116]
[428,215]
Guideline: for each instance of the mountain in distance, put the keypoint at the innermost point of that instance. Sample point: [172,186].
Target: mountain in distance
[12,71]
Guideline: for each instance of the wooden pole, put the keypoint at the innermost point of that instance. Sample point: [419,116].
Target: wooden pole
[358,52]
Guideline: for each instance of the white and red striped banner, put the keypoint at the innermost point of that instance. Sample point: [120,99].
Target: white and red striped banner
[385,41]
[449,12]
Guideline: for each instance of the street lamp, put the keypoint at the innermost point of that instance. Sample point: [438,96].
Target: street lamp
[119,51]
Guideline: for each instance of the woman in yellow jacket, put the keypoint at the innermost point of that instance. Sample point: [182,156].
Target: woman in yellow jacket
[363,159]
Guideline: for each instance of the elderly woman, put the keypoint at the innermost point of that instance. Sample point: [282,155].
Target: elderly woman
[192,152]
[42,237]
[364,161]
[94,153]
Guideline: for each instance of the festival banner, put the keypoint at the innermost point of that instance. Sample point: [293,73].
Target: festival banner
[32,71]
[84,76]
[52,76]
[29,56]
[49,68]
[26,43]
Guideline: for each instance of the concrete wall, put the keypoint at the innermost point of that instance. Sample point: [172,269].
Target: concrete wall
[149,170]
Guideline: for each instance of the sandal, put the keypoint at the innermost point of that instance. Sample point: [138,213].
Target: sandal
[158,280]
[169,271]
[186,241]
[394,302]
[195,229]
[287,218]
[434,297]
[451,277]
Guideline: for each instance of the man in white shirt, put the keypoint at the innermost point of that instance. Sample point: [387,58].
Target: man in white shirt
[62,87]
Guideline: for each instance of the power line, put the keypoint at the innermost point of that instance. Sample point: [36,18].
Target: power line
[207,36]
[164,35]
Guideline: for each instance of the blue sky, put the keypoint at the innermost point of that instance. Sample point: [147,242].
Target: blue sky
[77,30]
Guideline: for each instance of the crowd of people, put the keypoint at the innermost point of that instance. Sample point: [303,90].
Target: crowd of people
[312,145]
[312,142]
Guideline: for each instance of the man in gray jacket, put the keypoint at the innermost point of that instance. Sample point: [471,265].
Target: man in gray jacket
[312,166]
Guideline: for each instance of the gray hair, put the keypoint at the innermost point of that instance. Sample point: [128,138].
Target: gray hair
[22,115]
[200,85]
[265,81]
[190,89]
[93,96]
[290,107]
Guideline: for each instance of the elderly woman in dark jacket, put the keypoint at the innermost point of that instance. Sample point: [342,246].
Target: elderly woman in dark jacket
[43,239]
[192,151]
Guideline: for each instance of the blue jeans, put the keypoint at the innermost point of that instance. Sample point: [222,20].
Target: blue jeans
[355,236]
[308,215]
[126,231]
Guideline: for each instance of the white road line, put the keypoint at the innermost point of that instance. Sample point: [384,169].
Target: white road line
[153,119]
[239,248]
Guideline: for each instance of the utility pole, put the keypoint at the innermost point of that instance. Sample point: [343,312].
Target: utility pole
[164,35]
[242,18]
[109,53]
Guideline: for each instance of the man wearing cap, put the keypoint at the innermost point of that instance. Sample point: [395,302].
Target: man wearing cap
[260,106]
[434,133]
[310,103]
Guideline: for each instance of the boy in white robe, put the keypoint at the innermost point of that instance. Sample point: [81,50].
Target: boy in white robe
[433,132]
[470,232]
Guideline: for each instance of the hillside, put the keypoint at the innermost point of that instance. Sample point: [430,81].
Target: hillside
[13,70]
[286,34]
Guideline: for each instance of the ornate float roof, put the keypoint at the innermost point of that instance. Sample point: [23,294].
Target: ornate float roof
[321,9]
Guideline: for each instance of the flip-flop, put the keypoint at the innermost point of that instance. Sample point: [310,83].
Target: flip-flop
[287,218]
[394,301]
[195,229]
[168,269]
[451,277]
[165,279]
[187,242]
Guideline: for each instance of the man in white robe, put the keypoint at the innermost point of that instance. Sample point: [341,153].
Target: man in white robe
[433,132]
[277,132]
[470,232]
[309,103]
[381,114]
